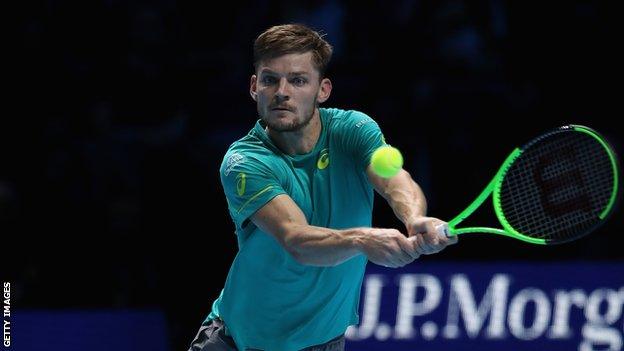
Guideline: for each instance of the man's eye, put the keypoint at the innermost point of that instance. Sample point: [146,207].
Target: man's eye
[268,80]
[299,81]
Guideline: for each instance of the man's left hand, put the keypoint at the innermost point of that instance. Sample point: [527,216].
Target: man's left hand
[422,232]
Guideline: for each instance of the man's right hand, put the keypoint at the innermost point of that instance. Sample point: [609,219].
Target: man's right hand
[388,247]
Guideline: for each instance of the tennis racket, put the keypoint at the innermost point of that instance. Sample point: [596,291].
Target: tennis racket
[557,188]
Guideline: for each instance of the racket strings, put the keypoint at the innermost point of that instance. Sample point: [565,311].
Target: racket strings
[558,186]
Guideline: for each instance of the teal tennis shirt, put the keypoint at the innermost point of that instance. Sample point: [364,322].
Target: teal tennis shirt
[270,301]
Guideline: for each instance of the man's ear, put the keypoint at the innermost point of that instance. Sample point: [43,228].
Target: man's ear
[325,90]
[252,87]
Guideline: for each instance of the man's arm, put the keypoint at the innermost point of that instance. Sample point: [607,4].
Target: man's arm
[409,204]
[402,194]
[318,246]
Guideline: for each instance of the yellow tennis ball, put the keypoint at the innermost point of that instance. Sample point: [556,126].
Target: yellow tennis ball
[387,161]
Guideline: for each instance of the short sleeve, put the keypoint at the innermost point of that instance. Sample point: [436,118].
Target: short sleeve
[249,183]
[362,136]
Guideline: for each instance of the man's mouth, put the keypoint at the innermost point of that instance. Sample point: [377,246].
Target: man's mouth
[280,108]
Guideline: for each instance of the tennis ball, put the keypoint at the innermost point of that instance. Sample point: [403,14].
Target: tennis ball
[387,161]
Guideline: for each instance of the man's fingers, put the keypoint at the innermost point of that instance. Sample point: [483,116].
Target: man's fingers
[408,247]
[439,241]
[426,237]
[414,241]
[421,245]
[416,246]
[428,245]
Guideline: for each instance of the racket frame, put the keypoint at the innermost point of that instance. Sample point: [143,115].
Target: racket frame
[494,187]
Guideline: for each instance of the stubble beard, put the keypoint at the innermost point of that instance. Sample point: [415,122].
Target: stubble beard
[292,126]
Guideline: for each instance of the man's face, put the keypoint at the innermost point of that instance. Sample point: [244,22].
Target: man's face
[287,90]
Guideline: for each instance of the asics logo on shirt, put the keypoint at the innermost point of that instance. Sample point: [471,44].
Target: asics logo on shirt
[323,160]
[232,161]
[240,184]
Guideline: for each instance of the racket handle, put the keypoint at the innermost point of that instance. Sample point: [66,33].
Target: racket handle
[443,230]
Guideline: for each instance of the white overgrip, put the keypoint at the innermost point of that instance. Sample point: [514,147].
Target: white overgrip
[443,230]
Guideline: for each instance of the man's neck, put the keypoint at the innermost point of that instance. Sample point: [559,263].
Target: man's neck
[299,142]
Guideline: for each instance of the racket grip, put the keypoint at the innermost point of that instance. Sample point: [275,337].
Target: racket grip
[443,230]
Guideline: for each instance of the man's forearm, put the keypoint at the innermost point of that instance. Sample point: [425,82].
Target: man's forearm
[318,246]
[404,197]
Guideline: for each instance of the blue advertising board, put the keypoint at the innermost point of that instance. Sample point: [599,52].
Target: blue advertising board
[491,306]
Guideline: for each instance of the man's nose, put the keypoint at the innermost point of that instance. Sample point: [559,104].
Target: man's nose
[283,90]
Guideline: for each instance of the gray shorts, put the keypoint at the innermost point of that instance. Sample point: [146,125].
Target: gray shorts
[212,337]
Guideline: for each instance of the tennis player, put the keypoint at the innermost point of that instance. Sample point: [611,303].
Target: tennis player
[299,190]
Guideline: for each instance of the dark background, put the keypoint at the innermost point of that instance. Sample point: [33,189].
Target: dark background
[109,186]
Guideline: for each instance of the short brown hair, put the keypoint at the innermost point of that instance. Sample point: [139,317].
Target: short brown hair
[290,39]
